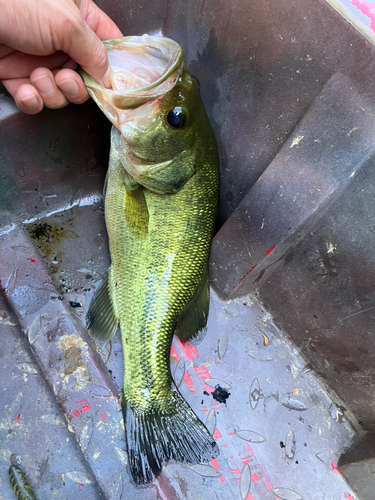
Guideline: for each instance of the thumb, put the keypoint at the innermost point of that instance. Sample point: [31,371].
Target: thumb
[89,52]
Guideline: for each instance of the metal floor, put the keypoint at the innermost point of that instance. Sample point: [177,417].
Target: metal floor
[279,433]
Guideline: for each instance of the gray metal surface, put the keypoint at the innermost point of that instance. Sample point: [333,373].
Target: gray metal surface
[277,419]
[261,65]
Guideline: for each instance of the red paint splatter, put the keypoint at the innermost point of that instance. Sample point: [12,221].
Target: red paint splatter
[18,418]
[269,485]
[80,484]
[217,434]
[250,497]
[335,469]
[49,145]
[270,250]
[86,407]
[248,272]
[76,413]
[202,372]
[174,354]
[236,471]
[366,9]
[189,383]
[224,446]
[80,402]
[214,464]
[289,229]
[251,451]
[57,139]
[254,477]
[245,460]
[189,349]
[32,260]
[231,433]
[222,479]
[348,496]
[104,416]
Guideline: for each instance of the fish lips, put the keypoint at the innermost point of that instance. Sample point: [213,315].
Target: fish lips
[144,68]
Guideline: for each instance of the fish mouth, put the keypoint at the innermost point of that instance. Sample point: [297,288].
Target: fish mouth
[143,69]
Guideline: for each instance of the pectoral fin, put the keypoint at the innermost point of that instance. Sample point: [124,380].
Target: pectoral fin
[102,322]
[192,322]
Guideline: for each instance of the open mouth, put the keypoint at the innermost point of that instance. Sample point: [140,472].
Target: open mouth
[143,68]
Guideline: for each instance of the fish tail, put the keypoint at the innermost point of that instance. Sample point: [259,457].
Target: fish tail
[154,437]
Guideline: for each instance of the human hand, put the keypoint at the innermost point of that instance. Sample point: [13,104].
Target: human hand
[40,43]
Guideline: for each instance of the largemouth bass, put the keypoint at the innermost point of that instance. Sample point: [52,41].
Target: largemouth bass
[161,197]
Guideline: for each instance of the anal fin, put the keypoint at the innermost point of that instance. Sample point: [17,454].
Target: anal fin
[193,320]
[101,319]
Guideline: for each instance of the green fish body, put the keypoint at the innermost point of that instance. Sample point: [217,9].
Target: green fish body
[161,198]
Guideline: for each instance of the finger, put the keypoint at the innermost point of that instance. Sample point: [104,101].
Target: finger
[20,65]
[100,23]
[25,95]
[44,81]
[72,86]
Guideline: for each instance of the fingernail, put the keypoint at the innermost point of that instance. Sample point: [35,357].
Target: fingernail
[44,84]
[106,78]
[30,102]
[69,87]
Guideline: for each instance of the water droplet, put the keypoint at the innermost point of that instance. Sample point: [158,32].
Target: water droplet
[259,355]
[294,404]
[179,372]
[290,444]
[255,394]
[245,481]
[205,470]
[211,421]
[286,494]
[251,436]
[213,382]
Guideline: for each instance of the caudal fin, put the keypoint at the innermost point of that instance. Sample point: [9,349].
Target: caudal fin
[153,438]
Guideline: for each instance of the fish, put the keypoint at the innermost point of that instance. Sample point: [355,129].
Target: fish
[161,197]
[20,484]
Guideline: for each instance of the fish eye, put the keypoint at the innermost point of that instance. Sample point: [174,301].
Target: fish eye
[176,117]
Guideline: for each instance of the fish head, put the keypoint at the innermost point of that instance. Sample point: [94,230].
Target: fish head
[155,105]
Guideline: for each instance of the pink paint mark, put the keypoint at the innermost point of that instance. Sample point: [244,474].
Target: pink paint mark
[217,434]
[202,373]
[104,416]
[236,471]
[335,469]
[80,484]
[254,477]
[214,464]
[269,485]
[76,413]
[189,383]
[80,402]
[270,250]
[231,433]
[189,349]
[248,272]
[222,479]
[347,496]
[251,451]
[249,497]
[32,260]
[86,407]
[57,139]
[204,409]
[366,9]
[245,460]
[18,418]
[224,446]
[174,353]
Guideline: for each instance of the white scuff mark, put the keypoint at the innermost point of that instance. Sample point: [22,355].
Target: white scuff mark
[297,140]
[352,174]
[351,131]
[331,247]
